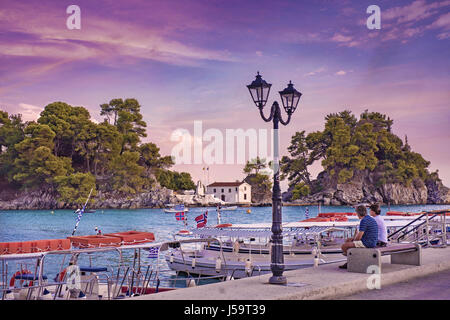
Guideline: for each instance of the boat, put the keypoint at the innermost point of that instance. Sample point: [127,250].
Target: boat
[232,208]
[112,239]
[34,246]
[402,214]
[175,209]
[243,252]
[302,240]
[298,241]
[184,232]
[238,265]
[85,211]
[77,277]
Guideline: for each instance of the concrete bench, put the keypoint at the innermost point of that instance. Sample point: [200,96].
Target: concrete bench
[360,259]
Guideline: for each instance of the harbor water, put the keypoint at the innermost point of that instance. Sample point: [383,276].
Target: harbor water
[25,225]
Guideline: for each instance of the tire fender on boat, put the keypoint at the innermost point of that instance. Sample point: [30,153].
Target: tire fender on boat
[248,266]
[218,264]
[236,246]
[18,273]
[60,276]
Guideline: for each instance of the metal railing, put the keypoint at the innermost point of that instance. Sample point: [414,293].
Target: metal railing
[427,232]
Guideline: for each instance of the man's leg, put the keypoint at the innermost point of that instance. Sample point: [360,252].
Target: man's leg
[347,245]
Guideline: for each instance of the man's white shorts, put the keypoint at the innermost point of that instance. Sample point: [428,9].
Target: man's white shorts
[359,244]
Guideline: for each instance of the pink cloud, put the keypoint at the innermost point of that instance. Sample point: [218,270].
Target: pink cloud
[403,22]
[417,10]
[316,71]
[99,38]
[400,23]
[442,22]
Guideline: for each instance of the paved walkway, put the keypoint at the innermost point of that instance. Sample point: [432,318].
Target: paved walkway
[432,287]
[323,282]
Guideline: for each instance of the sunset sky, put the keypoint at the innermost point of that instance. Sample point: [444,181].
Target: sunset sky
[191,60]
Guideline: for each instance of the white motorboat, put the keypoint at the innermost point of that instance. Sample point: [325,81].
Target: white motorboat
[176,208]
[247,252]
[237,265]
[175,211]
[297,241]
[232,208]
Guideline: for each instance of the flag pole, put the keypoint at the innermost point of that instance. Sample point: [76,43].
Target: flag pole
[80,214]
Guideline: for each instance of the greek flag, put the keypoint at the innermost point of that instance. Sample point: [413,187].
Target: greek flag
[80,212]
[153,252]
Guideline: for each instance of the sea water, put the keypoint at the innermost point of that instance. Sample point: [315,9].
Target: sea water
[25,225]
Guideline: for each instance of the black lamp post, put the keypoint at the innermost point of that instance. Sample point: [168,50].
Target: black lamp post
[259,90]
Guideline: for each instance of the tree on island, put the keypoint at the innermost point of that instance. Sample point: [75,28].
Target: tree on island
[258,179]
[66,153]
[346,146]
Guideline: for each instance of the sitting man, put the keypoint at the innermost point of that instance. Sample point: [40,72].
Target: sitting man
[382,230]
[367,235]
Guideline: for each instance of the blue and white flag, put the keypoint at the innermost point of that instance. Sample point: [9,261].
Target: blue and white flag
[153,252]
[80,214]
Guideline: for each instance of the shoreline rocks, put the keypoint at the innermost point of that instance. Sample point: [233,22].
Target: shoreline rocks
[362,188]
[157,198]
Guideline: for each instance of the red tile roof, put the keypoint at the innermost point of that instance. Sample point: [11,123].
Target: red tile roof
[226,184]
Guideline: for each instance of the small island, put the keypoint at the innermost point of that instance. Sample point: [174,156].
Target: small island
[54,162]
[363,161]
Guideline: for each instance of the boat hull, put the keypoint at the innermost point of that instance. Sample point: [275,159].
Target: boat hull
[236,265]
[174,211]
[286,250]
[228,208]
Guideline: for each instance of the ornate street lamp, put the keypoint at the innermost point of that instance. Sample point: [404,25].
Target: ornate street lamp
[259,90]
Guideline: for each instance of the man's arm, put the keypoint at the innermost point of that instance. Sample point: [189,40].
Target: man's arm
[358,236]
[362,228]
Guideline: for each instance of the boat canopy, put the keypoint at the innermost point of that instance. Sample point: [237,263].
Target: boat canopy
[260,233]
[337,224]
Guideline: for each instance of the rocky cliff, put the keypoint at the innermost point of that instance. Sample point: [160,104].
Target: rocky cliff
[261,190]
[363,188]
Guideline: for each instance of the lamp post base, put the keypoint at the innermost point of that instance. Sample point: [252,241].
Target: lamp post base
[277,280]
